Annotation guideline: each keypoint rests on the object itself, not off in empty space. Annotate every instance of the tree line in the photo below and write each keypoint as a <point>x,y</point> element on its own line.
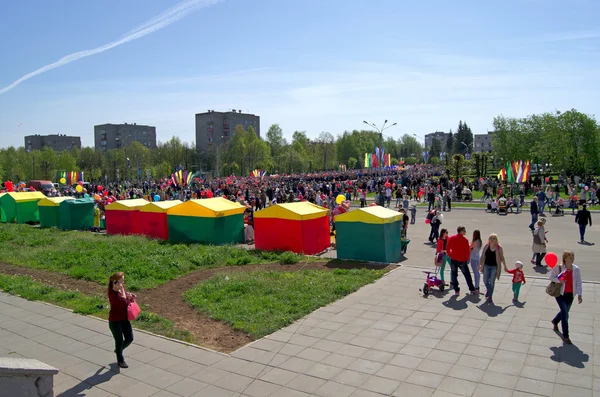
<point>566,143</point>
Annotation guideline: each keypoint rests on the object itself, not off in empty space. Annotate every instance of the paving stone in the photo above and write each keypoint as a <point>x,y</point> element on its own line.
<point>351,378</point>
<point>338,360</point>
<point>425,379</point>
<point>460,387</point>
<point>234,382</point>
<point>394,372</point>
<point>380,385</point>
<point>296,364</point>
<point>213,391</point>
<point>492,391</point>
<point>334,389</point>
<point>278,376</point>
<point>323,371</point>
<point>535,386</point>
<point>412,390</point>
<point>186,387</point>
<point>565,390</point>
<point>365,366</point>
<point>305,383</point>
<point>258,388</point>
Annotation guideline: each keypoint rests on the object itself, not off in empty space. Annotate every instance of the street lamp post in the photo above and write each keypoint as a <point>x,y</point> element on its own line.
<point>466,146</point>
<point>380,130</point>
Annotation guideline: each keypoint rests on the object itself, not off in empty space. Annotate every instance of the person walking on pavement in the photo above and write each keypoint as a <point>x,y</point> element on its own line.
<point>118,323</point>
<point>490,264</point>
<point>533,209</point>
<point>539,242</point>
<point>459,251</point>
<point>582,218</point>
<point>569,276</point>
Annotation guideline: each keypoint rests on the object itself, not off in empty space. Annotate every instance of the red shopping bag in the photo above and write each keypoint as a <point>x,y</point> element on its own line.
<point>133,310</point>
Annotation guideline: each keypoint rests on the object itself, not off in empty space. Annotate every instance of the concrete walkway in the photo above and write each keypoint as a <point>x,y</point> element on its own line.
<point>386,339</point>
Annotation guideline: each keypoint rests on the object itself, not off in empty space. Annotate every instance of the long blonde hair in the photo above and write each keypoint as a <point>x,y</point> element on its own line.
<point>495,237</point>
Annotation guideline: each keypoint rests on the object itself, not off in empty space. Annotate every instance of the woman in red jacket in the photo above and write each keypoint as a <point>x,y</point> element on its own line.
<point>442,259</point>
<point>117,318</point>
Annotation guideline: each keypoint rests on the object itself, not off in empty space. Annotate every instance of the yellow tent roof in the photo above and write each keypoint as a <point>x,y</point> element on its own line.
<point>301,211</point>
<point>53,201</point>
<point>21,197</point>
<point>126,205</point>
<point>375,215</point>
<point>208,208</point>
<point>161,206</point>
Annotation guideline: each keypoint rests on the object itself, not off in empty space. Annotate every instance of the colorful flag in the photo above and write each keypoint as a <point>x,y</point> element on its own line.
<point>425,156</point>
<point>502,174</point>
<point>526,171</point>
<point>510,173</point>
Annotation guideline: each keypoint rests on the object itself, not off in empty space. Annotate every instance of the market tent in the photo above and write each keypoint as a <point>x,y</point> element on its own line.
<point>21,207</point>
<point>298,227</point>
<point>77,214</point>
<point>214,221</point>
<point>369,234</point>
<point>123,216</point>
<point>153,217</point>
<point>50,210</point>
<point>2,214</point>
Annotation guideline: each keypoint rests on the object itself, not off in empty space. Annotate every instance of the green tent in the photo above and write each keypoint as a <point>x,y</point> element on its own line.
<point>50,211</point>
<point>77,214</point>
<point>21,207</point>
<point>369,234</point>
<point>2,214</point>
<point>212,221</point>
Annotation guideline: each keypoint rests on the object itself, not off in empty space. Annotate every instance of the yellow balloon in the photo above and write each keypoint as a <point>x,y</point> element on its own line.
<point>63,180</point>
<point>340,198</point>
<point>79,189</point>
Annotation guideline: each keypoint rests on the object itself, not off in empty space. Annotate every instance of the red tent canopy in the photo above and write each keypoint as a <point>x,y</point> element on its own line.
<point>298,227</point>
<point>123,217</point>
<point>153,219</point>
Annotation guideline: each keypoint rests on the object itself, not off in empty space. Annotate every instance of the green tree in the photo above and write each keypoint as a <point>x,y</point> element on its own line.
<point>463,139</point>
<point>436,148</point>
<point>275,139</point>
<point>450,144</point>
<point>352,163</point>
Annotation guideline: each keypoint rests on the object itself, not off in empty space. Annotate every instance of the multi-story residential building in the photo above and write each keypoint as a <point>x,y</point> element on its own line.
<point>483,142</point>
<point>442,137</point>
<point>116,136</point>
<point>217,127</point>
<point>58,142</point>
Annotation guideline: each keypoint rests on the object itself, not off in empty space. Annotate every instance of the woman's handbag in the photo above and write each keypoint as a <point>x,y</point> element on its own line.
<point>133,310</point>
<point>553,289</point>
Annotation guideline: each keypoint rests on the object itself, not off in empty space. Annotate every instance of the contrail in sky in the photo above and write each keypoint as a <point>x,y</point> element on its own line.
<point>158,22</point>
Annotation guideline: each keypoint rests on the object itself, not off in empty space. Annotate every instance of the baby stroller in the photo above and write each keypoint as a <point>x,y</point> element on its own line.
<point>557,207</point>
<point>502,207</point>
<point>432,280</point>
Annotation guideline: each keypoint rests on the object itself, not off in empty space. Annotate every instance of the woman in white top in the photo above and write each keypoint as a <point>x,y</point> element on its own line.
<point>570,277</point>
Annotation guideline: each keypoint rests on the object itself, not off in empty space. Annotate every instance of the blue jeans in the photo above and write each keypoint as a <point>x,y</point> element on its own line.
<point>541,206</point>
<point>582,231</point>
<point>534,219</point>
<point>489,279</point>
<point>476,274</point>
<point>564,303</point>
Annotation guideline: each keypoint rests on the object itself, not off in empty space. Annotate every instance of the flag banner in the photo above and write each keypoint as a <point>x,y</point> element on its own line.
<point>501,174</point>
<point>425,156</point>
<point>510,177</point>
<point>526,171</point>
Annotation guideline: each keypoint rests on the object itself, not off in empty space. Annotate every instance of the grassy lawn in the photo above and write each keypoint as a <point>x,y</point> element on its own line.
<point>146,263</point>
<point>260,303</point>
<point>27,288</point>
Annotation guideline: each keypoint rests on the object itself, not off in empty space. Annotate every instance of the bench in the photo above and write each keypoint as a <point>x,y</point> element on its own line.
<point>26,377</point>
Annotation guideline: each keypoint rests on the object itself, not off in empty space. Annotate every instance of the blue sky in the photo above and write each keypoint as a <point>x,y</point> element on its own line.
<point>313,65</point>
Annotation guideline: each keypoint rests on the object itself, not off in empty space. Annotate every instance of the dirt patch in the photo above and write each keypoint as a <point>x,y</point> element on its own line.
<point>54,279</point>
<point>167,301</point>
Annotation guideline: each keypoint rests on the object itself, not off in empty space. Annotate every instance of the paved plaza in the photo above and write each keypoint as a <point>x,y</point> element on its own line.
<point>514,236</point>
<point>384,340</point>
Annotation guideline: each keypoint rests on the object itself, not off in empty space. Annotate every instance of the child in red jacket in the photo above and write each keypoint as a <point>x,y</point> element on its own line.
<point>518,278</point>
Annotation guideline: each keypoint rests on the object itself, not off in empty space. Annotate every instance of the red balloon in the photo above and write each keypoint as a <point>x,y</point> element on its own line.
<point>105,193</point>
<point>551,260</point>
<point>99,188</point>
<point>427,221</point>
<point>80,183</point>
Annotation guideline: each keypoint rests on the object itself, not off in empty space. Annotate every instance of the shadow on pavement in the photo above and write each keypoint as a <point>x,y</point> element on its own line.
<point>586,243</point>
<point>541,269</point>
<point>455,304</point>
<point>79,389</point>
<point>491,309</point>
<point>570,355</point>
